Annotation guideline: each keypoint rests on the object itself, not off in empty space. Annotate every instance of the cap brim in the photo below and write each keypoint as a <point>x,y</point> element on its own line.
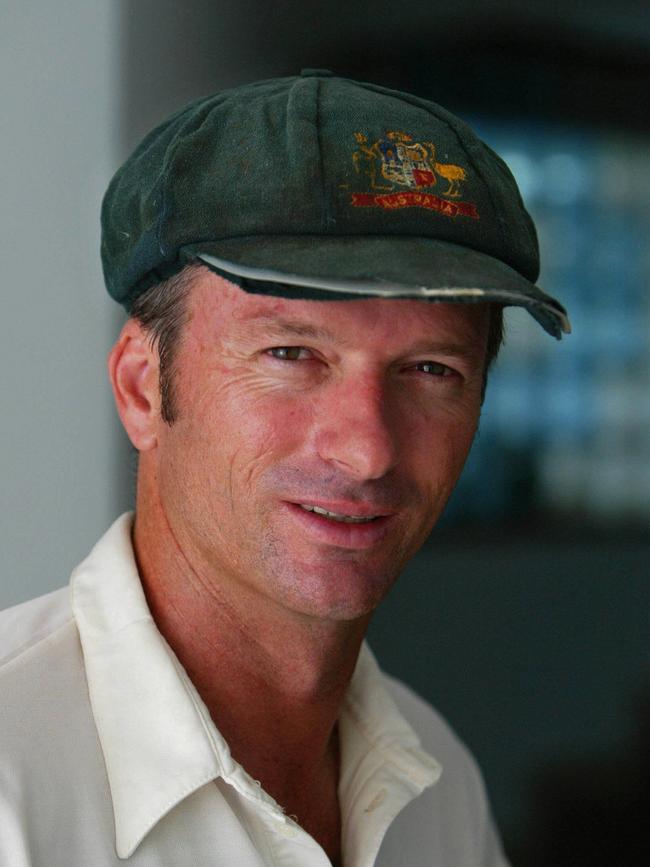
<point>329,267</point>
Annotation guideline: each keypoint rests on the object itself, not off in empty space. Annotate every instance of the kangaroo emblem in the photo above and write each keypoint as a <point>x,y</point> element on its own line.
<point>450,172</point>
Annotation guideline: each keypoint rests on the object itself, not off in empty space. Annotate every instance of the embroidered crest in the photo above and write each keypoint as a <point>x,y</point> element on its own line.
<point>397,161</point>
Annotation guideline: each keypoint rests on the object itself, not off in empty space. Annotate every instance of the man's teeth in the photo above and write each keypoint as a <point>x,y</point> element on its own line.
<point>348,519</point>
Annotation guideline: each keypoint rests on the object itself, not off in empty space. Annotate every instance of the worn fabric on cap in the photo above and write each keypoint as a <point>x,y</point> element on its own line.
<point>343,188</point>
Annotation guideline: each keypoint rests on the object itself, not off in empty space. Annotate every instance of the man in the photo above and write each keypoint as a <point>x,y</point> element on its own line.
<point>202,694</point>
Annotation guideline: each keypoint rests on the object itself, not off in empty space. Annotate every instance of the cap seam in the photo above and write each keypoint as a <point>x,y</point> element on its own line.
<point>324,206</point>
<point>169,159</point>
<point>469,150</point>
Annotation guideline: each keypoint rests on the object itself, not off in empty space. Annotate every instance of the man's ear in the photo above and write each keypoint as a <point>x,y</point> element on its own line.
<point>133,369</point>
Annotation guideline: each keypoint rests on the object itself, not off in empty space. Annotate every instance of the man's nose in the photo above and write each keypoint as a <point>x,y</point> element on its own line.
<point>357,429</point>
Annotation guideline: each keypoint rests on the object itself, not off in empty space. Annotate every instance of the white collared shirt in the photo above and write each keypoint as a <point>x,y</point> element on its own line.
<point>108,754</point>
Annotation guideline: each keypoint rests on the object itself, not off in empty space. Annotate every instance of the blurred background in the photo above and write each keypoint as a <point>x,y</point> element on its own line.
<point>524,620</point>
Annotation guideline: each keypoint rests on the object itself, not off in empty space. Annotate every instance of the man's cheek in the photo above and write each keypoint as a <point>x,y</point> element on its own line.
<point>274,426</point>
<point>260,454</point>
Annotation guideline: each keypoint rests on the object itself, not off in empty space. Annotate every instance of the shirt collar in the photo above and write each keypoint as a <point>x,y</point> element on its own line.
<point>157,736</point>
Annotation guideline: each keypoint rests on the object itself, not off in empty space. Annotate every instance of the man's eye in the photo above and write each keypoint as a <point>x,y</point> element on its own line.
<point>287,353</point>
<point>435,368</point>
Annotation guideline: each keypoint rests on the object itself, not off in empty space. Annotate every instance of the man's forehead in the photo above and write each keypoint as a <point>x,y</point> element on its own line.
<point>340,321</point>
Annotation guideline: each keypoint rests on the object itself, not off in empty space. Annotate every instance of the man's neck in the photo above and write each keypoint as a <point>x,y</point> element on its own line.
<point>273,681</point>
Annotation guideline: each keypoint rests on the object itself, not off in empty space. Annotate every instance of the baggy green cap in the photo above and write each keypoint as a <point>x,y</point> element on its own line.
<point>319,187</point>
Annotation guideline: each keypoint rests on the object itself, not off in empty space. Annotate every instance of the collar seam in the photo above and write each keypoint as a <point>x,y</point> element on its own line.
<point>257,795</point>
<point>207,728</point>
<point>358,718</point>
<point>146,618</point>
<point>183,677</point>
<point>77,606</point>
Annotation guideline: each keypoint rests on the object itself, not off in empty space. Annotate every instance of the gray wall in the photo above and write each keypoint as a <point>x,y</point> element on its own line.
<point>58,68</point>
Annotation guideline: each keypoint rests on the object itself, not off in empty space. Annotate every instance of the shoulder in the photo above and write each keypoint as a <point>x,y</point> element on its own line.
<point>40,655</point>
<point>467,834</point>
<point>23,627</point>
<point>50,755</point>
<point>43,686</point>
<point>41,669</point>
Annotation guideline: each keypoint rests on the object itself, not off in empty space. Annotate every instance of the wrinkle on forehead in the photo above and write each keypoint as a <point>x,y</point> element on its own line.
<point>384,317</point>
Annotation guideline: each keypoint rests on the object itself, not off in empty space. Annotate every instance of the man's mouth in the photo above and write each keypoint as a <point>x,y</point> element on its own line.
<point>335,516</point>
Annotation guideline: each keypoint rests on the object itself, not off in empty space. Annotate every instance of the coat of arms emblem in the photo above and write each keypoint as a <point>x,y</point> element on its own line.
<point>396,160</point>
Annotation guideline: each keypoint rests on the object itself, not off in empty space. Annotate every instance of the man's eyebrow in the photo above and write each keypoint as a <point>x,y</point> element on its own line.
<point>279,326</point>
<point>469,350</point>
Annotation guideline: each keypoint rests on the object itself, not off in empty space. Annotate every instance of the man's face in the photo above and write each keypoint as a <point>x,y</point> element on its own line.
<point>363,408</point>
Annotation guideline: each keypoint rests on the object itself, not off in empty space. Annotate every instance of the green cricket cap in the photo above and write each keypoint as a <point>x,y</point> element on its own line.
<point>320,187</point>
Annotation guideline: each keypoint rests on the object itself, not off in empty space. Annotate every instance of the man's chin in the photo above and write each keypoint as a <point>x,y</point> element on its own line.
<point>340,589</point>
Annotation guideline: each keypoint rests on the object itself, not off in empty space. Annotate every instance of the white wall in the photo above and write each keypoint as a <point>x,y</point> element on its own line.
<point>59,81</point>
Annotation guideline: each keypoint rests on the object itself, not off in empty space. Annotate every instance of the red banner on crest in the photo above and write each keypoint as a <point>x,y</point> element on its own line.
<point>394,201</point>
